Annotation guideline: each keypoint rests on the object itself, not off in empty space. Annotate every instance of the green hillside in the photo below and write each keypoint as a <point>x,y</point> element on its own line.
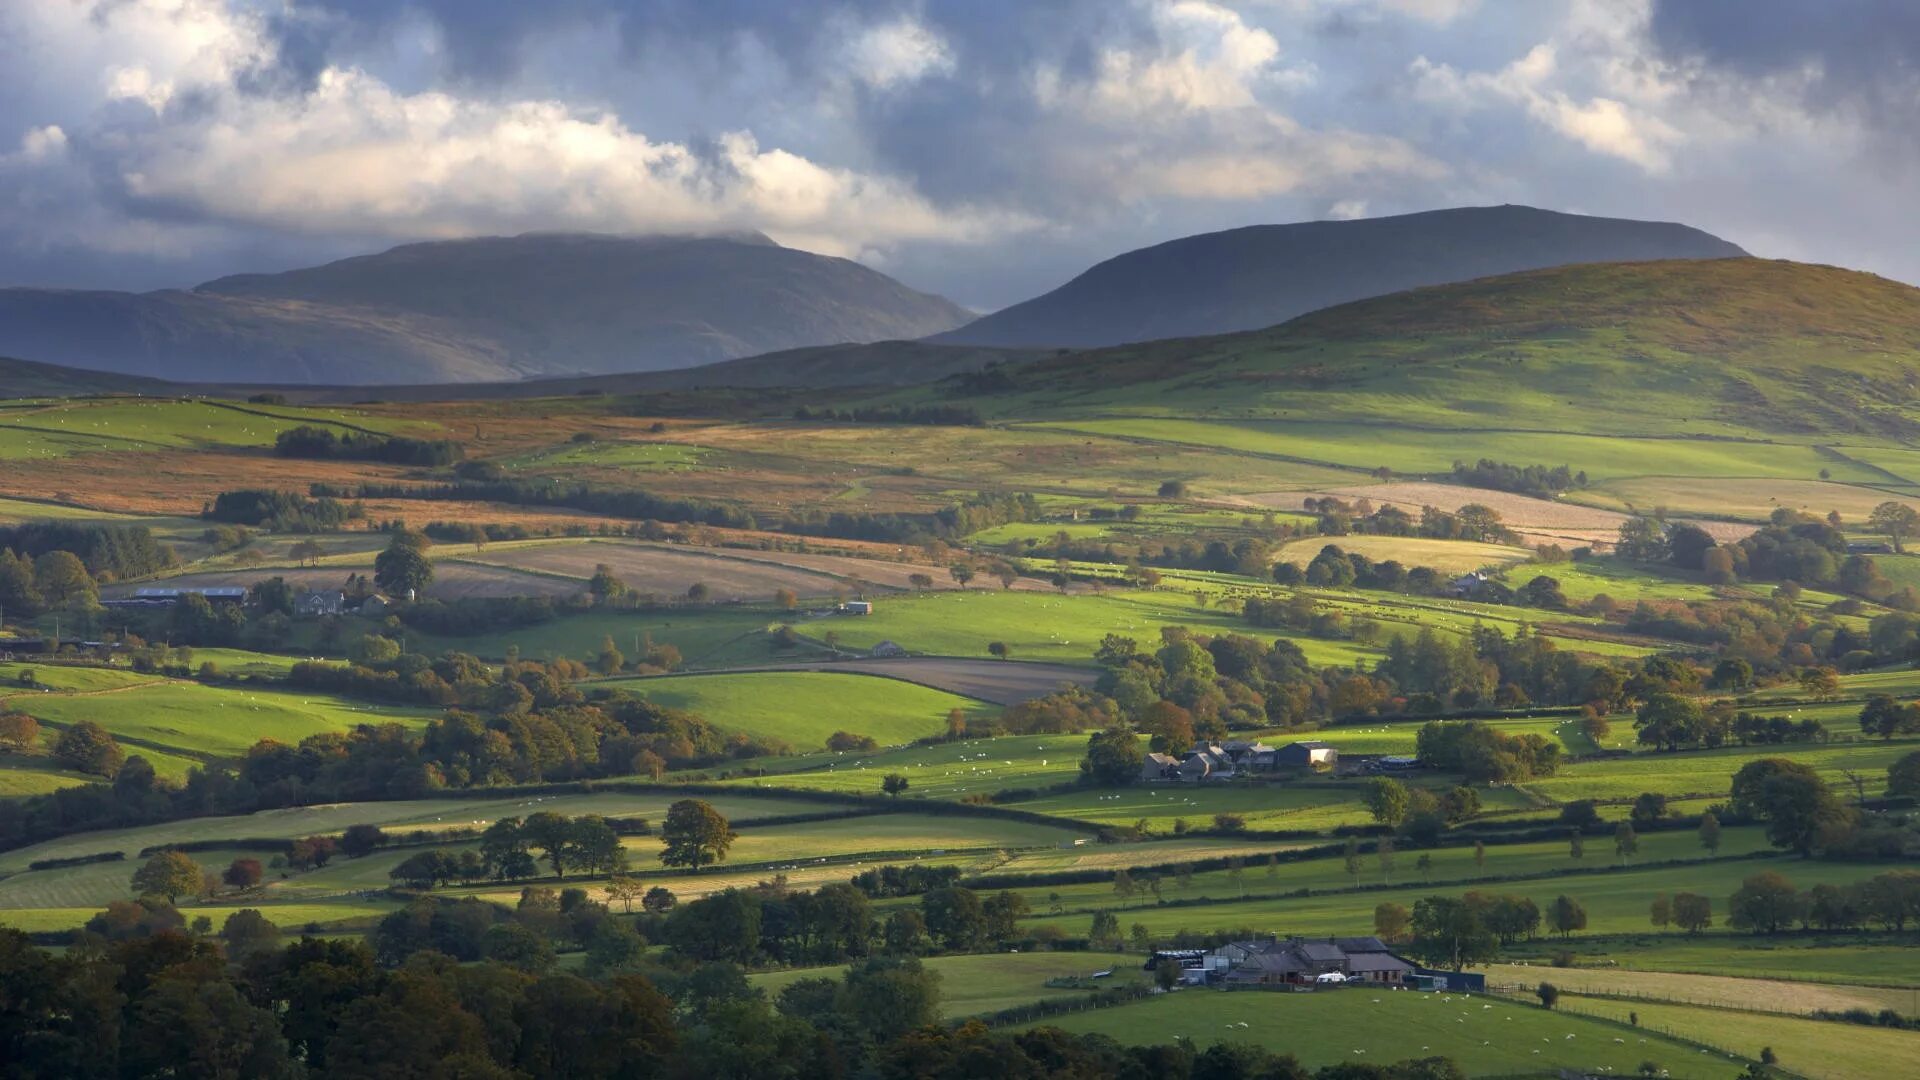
<point>1723,348</point>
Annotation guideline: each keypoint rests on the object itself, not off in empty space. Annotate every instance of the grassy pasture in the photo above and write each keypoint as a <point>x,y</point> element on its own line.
<point>192,719</point>
<point>1405,449</point>
<point>791,845</point>
<point>632,456</point>
<point>1309,804</point>
<point>477,809</point>
<point>804,708</point>
<point>972,985</point>
<point>1710,772</point>
<point>1486,1037</point>
<point>705,636</point>
<point>1818,1049</point>
<point>1450,864</point>
<point>1616,900</point>
<point>1848,959</point>
<point>128,423</point>
<point>945,771</point>
<point>30,775</point>
<point>289,917</point>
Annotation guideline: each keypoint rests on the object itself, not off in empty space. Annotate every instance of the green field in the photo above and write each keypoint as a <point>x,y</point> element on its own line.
<point>803,708</point>
<point>973,985</point>
<point>147,424</point>
<point>1616,899</point>
<point>1819,1049</point>
<point>1486,1037</point>
<point>943,771</point>
<point>207,720</point>
<point>635,456</point>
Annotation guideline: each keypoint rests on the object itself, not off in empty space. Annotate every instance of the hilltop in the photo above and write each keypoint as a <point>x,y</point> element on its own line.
<point>488,309</point>
<point>1245,279</point>
<point>1724,347</point>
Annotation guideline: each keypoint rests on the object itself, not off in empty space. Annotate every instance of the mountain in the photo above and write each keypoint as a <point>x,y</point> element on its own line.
<point>1245,279</point>
<point>497,308</point>
<point>1739,348</point>
<point>26,379</point>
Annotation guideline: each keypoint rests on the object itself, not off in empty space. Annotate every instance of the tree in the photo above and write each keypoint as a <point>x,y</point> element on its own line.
<point>1352,858</point>
<point>1669,721</point>
<point>1660,912</point>
<point>592,844</point>
<point>1565,915</point>
<point>887,996</point>
<point>1710,832</point>
<point>1452,932</point>
<point>171,874</point>
<point>1885,717</point>
<point>403,568</point>
<point>904,933</point>
<point>1820,683</point>
<point>956,919</point>
<point>1548,994</point>
<point>18,731</point>
<point>552,835</point>
<point>610,659</point>
<point>1383,853</point>
<point>87,747</point>
<point>605,585</point>
<point>1765,903</point>
<point>362,840</point>
<point>694,833</point>
<point>893,784</point>
<point>242,873</point>
<point>1576,844</point>
<point>1903,776</point>
<point>1803,814</point>
<point>658,901</point>
<point>1391,922</point>
<point>247,931</point>
<point>1692,912</point>
<point>1626,844</point>
<point>998,650</point>
<point>1479,854</point>
<point>63,581</point>
<point>1113,758</point>
<point>1387,800</point>
<point>1649,808</point>
<point>1894,520</point>
<point>1166,973</point>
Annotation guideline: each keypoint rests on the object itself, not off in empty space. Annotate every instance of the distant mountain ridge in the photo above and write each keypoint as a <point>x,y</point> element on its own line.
<point>1263,275</point>
<point>489,309</point>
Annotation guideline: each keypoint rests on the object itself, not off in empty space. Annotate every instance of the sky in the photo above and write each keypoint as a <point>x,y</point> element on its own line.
<point>987,150</point>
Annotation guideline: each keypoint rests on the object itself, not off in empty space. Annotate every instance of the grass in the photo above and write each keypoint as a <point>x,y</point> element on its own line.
<point>475,809</point>
<point>1710,772</point>
<point>1821,958</point>
<point>1616,898</point>
<point>290,917</point>
<point>804,708</point>
<point>634,456</point>
<point>208,720</point>
<point>704,636</point>
<point>79,426</point>
<point>973,985</point>
<point>1485,1037</point>
<point>1818,1049</point>
<point>785,846</point>
<point>944,771</point>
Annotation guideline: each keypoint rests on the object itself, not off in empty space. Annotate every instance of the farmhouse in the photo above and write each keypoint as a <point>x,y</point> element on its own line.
<point>310,605</point>
<point>1160,767</point>
<point>1309,962</point>
<point>1311,754</point>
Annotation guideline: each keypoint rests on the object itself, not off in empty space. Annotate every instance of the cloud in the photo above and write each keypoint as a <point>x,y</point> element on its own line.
<point>1858,60</point>
<point>1603,125</point>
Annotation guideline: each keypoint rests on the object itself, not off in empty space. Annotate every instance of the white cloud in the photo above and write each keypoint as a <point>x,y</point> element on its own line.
<point>893,53</point>
<point>1603,125</point>
<point>1348,209</point>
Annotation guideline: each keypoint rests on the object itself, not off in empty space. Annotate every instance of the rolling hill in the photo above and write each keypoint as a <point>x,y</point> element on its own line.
<point>479,310</point>
<point>1245,279</point>
<point>1721,348</point>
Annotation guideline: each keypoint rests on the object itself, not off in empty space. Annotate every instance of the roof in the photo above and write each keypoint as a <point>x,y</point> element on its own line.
<point>1368,944</point>
<point>1309,744</point>
<point>162,594</point>
<point>1320,952</point>
<point>1162,759</point>
<point>1376,961</point>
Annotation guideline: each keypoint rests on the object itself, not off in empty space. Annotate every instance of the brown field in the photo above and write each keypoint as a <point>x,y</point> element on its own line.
<point>1538,521</point>
<point>1752,500</point>
<point>998,681</point>
<point>1753,995</point>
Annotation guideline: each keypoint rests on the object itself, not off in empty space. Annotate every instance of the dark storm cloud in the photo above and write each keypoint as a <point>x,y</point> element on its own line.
<point>1857,57</point>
